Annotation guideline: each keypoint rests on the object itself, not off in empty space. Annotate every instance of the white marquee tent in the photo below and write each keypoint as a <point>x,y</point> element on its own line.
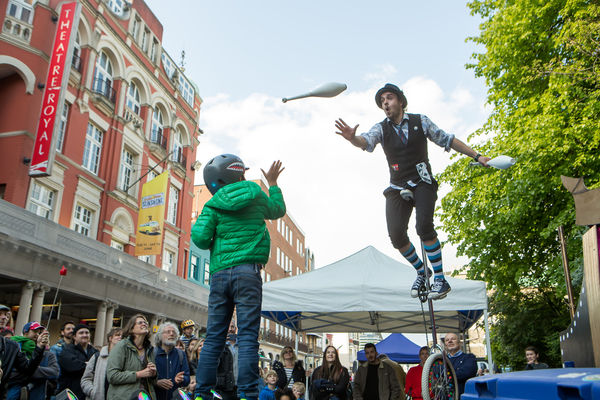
<point>369,292</point>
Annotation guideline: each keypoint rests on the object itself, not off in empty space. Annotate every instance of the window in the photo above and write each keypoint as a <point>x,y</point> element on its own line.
<point>186,89</point>
<point>42,200</point>
<point>194,268</point>
<point>103,76</point>
<point>168,65</point>
<point>173,200</point>
<point>206,272</point>
<point>20,10</point>
<point>151,175</point>
<point>126,170</point>
<point>145,259</point>
<point>133,98</point>
<point>116,6</point>
<point>145,37</point>
<point>154,50</point>
<point>278,256</point>
<point>62,126</point>
<point>93,149</point>
<point>117,245</point>
<point>76,62</point>
<point>83,220</point>
<point>176,147</point>
<point>168,261</point>
<point>156,132</point>
<point>135,29</point>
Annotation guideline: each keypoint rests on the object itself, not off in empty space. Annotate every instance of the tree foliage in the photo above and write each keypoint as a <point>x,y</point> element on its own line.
<point>541,63</point>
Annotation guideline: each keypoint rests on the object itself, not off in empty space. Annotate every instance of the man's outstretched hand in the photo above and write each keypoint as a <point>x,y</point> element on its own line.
<point>273,173</point>
<point>345,130</point>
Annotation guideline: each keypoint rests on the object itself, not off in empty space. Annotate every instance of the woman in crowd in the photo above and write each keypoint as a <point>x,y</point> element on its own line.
<point>131,365</point>
<point>330,380</point>
<point>93,382</point>
<point>532,355</point>
<point>288,369</point>
<point>193,354</point>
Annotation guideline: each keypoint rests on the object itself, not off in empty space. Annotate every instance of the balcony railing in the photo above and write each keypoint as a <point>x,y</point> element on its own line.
<point>76,63</point>
<point>104,88</point>
<point>179,158</point>
<point>157,137</point>
<point>271,337</point>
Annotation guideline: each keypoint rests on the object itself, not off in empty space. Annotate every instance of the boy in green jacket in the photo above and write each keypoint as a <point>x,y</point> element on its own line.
<point>232,225</point>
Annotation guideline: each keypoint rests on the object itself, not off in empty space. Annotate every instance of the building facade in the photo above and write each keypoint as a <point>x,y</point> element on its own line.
<point>289,257</point>
<point>129,114</point>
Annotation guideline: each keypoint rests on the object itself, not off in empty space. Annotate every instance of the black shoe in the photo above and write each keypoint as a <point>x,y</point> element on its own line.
<point>418,285</point>
<point>439,289</point>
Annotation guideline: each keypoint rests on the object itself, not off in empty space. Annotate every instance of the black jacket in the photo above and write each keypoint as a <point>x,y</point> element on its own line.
<point>298,374</point>
<point>225,377</point>
<point>323,389</point>
<point>72,361</point>
<point>465,366</point>
<point>14,360</point>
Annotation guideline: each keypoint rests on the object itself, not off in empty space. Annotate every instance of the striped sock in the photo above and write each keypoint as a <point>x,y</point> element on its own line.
<point>412,257</point>
<point>434,253</point>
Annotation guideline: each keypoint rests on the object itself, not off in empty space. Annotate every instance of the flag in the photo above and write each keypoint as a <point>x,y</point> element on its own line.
<point>149,233</point>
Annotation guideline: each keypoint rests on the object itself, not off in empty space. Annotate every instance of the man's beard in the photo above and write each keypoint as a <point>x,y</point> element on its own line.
<point>169,343</point>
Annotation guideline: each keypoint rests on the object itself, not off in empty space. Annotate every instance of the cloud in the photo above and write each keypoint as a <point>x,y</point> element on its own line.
<point>332,189</point>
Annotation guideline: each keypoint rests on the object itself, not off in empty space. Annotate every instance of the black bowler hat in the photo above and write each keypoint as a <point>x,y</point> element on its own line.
<point>389,87</point>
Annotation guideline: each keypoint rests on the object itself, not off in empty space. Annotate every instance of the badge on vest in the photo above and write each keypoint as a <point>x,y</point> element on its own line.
<point>423,173</point>
<point>395,167</point>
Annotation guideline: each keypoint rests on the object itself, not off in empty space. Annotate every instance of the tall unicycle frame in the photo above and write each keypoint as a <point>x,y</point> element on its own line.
<point>438,379</point>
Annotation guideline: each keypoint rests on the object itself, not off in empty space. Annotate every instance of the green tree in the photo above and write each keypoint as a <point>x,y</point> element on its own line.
<point>541,63</point>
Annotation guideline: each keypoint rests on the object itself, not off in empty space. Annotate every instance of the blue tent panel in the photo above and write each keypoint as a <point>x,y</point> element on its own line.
<point>398,348</point>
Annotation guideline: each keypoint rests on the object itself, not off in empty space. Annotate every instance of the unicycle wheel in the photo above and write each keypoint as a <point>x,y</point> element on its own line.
<point>438,380</point>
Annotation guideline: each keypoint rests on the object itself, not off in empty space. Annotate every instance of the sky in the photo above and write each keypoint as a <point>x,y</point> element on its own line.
<point>245,56</point>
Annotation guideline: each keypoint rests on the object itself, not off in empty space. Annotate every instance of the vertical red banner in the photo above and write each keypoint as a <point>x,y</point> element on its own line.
<point>56,85</point>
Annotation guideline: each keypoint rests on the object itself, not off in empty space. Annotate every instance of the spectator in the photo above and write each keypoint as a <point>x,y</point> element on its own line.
<point>7,332</point>
<point>180,345</point>
<point>413,377</point>
<point>93,382</point>
<point>532,355</point>
<point>130,364</point>
<point>172,367</point>
<point>400,374</point>
<point>187,332</point>
<point>193,354</point>
<point>268,392</point>
<point>298,389</point>
<point>290,370</point>
<point>66,337</point>
<point>226,384</point>
<point>73,358</point>
<point>465,364</point>
<point>12,358</point>
<point>284,394</point>
<point>331,379</point>
<point>35,385</point>
<point>375,380</point>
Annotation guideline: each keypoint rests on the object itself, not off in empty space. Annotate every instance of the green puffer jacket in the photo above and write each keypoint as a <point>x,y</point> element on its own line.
<point>123,363</point>
<point>232,224</point>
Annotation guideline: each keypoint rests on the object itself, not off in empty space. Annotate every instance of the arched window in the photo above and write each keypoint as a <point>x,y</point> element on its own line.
<point>176,147</point>
<point>156,133</point>
<point>133,98</point>
<point>103,77</point>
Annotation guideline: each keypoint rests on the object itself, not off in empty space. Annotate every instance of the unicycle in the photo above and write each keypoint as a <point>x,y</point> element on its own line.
<point>438,379</point>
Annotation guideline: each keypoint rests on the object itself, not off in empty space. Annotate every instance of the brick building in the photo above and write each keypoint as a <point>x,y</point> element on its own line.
<point>129,113</point>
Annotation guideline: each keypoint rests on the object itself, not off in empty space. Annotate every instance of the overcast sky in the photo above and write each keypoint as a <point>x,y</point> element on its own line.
<point>245,56</point>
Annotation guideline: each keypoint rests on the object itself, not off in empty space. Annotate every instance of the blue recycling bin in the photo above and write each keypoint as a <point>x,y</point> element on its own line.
<point>542,384</point>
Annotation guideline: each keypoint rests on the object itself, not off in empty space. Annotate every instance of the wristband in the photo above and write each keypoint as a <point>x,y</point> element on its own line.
<point>476,158</point>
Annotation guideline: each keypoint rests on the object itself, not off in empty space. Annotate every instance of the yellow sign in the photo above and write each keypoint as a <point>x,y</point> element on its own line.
<point>151,217</point>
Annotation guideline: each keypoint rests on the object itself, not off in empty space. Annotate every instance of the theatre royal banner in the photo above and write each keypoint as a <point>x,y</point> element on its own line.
<point>149,234</point>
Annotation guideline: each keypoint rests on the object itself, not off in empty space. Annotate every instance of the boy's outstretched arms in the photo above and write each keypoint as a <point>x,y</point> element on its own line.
<point>273,173</point>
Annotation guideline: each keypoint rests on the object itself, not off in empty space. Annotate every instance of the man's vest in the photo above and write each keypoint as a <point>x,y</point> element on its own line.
<point>402,157</point>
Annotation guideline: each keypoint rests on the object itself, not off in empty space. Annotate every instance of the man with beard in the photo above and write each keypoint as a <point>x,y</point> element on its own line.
<point>171,363</point>
<point>72,360</point>
<point>375,379</point>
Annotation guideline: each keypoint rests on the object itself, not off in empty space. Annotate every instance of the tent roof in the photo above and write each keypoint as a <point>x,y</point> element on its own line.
<point>398,348</point>
<point>367,292</point>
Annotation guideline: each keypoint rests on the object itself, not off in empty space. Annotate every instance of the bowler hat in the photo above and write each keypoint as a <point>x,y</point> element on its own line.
<point>389,87</point>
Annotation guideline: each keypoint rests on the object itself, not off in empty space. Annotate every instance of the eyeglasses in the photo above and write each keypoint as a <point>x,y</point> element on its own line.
<point>142,323</point>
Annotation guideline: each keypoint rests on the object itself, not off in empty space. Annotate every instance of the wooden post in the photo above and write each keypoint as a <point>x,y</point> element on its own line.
<point>565,262</point>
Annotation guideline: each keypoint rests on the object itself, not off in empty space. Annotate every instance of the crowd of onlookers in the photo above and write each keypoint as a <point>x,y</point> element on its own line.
<point>164,364</point>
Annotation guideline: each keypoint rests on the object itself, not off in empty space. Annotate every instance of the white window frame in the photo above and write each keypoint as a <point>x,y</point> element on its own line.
<point>83,219</point>
<point>154,50</point>
<point>92,152</point>
<point>174,194</point>
<point>116,6</point>
<point>117,245</point>
<point>156,127</point>
<point>103,75</point>
<point>135,28</point>
<point>127,173</point>
<point>186,89</point>
<point>169,260</point>
<point>206,273</point>
<point>44,207</point>
<point>133,99</point>
<point>176,146</point>
<point>62,127</point>
<point>145,36</point>
<point>17,9</point>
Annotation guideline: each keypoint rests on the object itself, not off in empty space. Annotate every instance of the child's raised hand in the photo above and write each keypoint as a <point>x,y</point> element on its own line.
<point>273,173</point>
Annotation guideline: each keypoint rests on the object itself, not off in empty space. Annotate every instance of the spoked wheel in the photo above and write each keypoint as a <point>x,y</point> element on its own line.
<point>438,381</point>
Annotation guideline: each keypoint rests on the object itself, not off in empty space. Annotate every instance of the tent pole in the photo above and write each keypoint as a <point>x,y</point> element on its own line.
<point>487,342</point>
<point>297,339</point>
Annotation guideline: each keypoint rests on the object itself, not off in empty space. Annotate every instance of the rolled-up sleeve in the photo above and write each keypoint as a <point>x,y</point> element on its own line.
<point>373,137</point>
<point>435,134</point>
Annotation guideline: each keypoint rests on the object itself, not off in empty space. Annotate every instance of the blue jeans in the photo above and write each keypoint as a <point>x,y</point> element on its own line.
<point>239,287</point>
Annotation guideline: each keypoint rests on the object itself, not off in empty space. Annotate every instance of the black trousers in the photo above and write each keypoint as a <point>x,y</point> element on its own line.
<point>398,212</point>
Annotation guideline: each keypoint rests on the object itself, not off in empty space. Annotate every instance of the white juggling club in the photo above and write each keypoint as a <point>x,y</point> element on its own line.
<point>500,162</point>
<point>326,90</point>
